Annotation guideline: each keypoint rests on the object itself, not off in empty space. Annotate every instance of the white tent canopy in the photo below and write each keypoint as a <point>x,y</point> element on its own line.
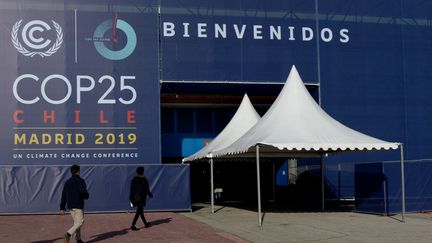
<point>294,126</point>
<point>296,123</point>
<point>244,118</point>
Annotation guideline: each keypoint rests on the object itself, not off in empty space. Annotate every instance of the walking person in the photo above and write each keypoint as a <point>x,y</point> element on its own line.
<point>139,190</point>
<point>73,195</point>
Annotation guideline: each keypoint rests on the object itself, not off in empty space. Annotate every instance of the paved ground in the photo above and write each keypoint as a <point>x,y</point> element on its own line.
<point>228,224</point>
<point>166,227</point>
<point>317,226</point>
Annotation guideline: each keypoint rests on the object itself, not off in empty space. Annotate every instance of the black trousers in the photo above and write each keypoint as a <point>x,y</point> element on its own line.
<point>139,213</point>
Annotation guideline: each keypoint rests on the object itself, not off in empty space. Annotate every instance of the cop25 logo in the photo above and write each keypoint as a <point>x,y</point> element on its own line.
<point>112,25</point>
<point>35,43</point>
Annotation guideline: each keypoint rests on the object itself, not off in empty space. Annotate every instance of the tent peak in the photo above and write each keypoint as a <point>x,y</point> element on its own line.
<point>295,121</point>
<point>244,118</point>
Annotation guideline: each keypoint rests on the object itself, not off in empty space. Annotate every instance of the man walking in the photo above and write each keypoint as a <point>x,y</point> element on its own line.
<point>139,190</point>
<point>74,193</point>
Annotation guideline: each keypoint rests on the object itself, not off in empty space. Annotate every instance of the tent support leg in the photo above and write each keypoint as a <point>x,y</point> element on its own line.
<point>211,185</point>
<point>258,185</point>
<point>322,183</point>
<point>402,181</point>
<point>274,183</point>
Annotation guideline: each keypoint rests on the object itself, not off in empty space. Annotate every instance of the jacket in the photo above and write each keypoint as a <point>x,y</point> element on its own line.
<point>74,192</point>
<point>139,190</point>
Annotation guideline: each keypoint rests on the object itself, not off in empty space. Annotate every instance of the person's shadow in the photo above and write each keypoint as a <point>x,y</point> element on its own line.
<point>107,235</point>
<point>47,241</point>
<point>112,234</point>
<point>160,221</point>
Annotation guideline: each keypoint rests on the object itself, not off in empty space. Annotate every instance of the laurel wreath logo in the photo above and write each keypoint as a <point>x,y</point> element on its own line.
<point>21,49</point>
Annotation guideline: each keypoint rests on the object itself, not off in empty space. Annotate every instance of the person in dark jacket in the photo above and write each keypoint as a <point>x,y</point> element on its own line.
<point>139,190</point>
<point>73,195</point>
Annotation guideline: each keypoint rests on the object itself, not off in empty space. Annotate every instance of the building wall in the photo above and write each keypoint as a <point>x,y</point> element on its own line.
<point>365,61</point>
<point>369,59</point>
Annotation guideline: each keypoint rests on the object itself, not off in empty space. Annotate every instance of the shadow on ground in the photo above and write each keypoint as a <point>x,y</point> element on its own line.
<point>46,241</point>
<point>115,233</point>
<point>160,221</point>
<point>108,235</point>
<point>275,207</point>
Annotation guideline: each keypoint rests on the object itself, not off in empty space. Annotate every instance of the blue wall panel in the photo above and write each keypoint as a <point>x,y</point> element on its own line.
<point>37,189</point>
<point>242,54</point>
<point>339,181</point>
<point>378,187</point>
<point>370,193</point>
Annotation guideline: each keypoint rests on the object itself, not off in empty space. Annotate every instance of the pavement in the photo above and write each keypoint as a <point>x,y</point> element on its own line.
<point>280,226</point>
<point>227,224</point>
<point>114,227</point>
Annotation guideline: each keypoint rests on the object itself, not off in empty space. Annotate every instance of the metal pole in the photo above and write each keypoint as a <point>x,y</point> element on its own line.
<point>402,181</point>
<point>386,211</point>
<point>318,51</point>
<point>258,185</point>
<point>322,183</point>
<point>211,185</point>
<point>274,182</point>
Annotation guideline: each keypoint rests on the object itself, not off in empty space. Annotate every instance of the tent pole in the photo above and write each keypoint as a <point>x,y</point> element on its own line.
<point>211,185</point>
<point>258,185</point>
<point>322,183</point>
<point>402,181</point>
<point>274,183</point>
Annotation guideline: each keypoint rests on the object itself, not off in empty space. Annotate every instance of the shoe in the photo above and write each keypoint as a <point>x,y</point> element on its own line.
<point>80,241</point>
<point>66,238</point>
<point>146,225</point>
<point>133,228</point>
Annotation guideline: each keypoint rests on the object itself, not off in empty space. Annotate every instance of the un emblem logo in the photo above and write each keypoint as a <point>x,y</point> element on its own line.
<point>35,43</point>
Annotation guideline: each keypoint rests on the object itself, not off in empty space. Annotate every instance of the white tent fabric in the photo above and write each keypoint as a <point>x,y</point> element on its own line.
<point>295,123</point>
<point>244,118</point>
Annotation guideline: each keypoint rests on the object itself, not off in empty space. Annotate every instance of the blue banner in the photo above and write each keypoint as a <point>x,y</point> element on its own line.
<point>79,85</point>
